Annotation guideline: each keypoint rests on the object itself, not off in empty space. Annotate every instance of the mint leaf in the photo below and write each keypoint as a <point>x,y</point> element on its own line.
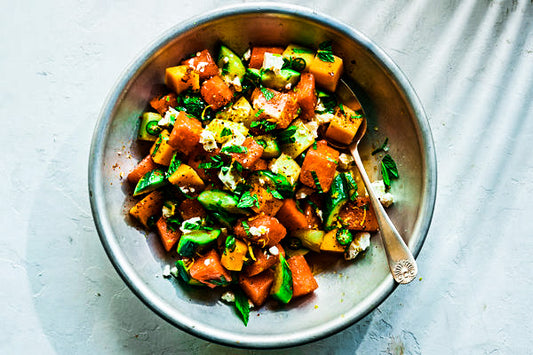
<point>242,306</point>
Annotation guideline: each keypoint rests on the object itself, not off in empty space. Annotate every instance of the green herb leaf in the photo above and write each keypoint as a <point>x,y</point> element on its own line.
<point>226,132</point>
<point>389,170</point>
<point>317,182</point>
<point>276,194</point>
<point>287,136</point>
<point>234,149</point>
<point>230,243</point>
<point>257,114</point>
<point>242,306</point>
<point>246,227</point>
<point>267,93</point>
<point>193,226</point>
<point>325,52</point>
<point>215,163</point>
<point>267,126</point>
<point>301,50</point>
<point>248,200</point>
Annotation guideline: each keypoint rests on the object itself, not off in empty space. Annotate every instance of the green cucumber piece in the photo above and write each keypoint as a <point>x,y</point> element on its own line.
<point>254,75</point>
<point>279,80</point>
<point>232,67</point>
<point>183,273</point>
<point>282,287</point>
<point>149,130</point>
<point>270,146</point>
<point>150,181</point>
<point>220,201</point>
<point>276,182</point>
<point>196,241</point>
<point>310,238</point>
<point>338,195</point>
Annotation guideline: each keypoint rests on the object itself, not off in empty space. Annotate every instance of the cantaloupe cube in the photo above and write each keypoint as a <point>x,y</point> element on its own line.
<point>182,78</point>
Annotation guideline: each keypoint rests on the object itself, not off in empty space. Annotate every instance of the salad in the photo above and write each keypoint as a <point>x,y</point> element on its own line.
<point>240,182</point>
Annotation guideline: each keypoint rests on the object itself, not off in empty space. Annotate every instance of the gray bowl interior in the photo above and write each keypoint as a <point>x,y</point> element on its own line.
<point>347,291</point>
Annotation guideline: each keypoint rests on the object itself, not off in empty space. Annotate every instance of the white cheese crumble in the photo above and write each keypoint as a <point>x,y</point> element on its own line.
<point>273,62</point>
<point>194,220</point>
<point>207,262</point>
<point>207,139</point>
<point>386,198</point>
<point>230,177</point>
<point>247,55</point>
<point>228,296</point>
<point>237,139</point>
<point>236,83</point>
<point>273,250</point>
<point>360,243</point>
<point>167,211</point>
<point>170,116</point>
<point>259,231</point>
<point>174,271</point>
<point>166,271</point>
<point>345,161</point>
<point>320,215</point>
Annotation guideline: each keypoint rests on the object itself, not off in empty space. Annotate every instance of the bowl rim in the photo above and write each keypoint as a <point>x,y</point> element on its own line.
<point>118,258</point>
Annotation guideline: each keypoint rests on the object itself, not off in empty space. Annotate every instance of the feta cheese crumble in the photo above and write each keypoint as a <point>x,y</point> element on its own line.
<point>346,161</point>
<point>169,118</point>
<point>259,231</point>
<point>273,62</point>
<point>194,220</point>
<point>273,250</point>
<point>207,139</point>
<point>166,271</point>
<point>360,243</point>
<point>386,198</point>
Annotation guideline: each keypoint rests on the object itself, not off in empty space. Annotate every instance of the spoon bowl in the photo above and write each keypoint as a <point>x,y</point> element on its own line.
<point>401,262</point>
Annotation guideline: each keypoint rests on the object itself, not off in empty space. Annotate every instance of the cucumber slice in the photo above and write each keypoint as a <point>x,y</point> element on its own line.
<point>150,181</point>
<point>310,238</point>
<point>284,79</point>
<point>183,273</point>
<point>196,241</point>
<point>282,287</point>
<point>270,146</point>
<point>220,201</point>
<point>338,195</point>
<point>231,65</point>
<point>276,182</point>
<point>149,130</point>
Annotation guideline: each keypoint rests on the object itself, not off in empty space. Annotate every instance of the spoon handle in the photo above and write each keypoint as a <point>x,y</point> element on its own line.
<point>402,264</point>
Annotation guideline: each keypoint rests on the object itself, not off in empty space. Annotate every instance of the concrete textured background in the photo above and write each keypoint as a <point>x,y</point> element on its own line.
<point>471,62</point>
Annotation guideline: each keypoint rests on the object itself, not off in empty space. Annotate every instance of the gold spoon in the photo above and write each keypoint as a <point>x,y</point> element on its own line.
<point>402,264</point>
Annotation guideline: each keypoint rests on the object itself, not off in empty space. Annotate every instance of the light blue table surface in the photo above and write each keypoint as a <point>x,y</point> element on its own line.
<point>471,63</point>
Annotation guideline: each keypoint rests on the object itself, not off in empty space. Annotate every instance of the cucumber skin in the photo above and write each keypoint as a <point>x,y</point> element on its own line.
<point>282,287</point>
<point>188,246</point>
<point>220,201</point>
<point>338,195</point>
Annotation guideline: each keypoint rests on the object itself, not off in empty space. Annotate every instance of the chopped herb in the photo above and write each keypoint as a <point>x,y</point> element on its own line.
<point>329,102</point>
<point>302,50</point>
<point>215,163</point>
<point>314,145</point>
<point>192,226</point>
<point>234,149</point>
<point>230,243</point>
<point>194,105</point>
<point>246,227</point>
<point>257,114</point>
<point>352,185</point>
<point>383,147</point>
<point>242,306</point>
<point>221,282</point>
<point>265,125</point>
<point>167,98</point>
<point>262,143</point>
<point>173,223</point>
<point>317,182</point>
<point>238,166</point>
<point>225,68</point>
<point>267,94</point>
<point>389,170</point>
<point>248,200</point>
<point>226,132</point>
<point>287,136</point>
<point>157,144</point>
<point>331,159</point>
<point>341,108</point>
<point>275,194</point>
<point>325,52</point>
